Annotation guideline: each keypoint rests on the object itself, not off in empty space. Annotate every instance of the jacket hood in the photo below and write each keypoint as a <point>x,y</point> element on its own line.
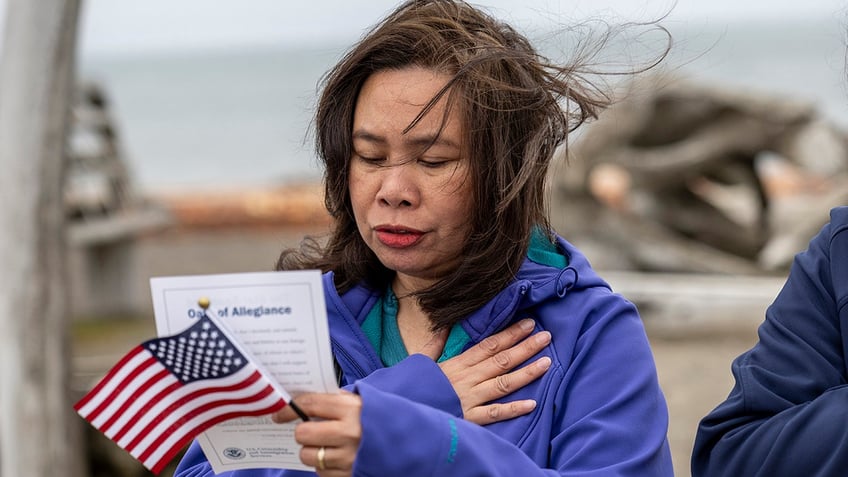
<point>534,285</point>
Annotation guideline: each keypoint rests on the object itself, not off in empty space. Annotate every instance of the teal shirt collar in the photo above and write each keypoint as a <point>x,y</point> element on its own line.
<point>380,326</point>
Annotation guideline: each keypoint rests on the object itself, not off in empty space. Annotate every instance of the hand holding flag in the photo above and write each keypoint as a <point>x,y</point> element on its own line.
<point>167,390</point>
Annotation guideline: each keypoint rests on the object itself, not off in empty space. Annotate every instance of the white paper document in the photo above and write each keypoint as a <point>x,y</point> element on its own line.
<point>281,319</point>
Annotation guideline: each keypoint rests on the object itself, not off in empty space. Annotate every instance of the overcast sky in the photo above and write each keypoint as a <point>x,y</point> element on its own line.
<point>122,25</point>
<point>116,26</point>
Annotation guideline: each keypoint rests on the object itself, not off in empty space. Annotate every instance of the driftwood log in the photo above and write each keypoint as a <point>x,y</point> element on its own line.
<point>679,177</point>
<point>38,437</point>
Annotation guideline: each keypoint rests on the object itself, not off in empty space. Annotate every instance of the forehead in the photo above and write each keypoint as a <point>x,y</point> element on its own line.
<point>395,102</point>
<point>414,83</point>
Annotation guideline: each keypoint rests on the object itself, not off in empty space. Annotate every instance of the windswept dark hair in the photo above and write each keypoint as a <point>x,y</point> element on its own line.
<point>516,108</point>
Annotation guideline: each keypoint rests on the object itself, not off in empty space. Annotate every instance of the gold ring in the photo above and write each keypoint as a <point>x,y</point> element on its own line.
<point>321,453</point>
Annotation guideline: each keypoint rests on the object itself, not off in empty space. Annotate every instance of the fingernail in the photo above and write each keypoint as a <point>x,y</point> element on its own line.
<point>543,363</point>
<point>527,324</point>
<point>543,337</point>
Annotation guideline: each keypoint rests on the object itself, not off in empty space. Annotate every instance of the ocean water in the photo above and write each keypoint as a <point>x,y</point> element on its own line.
<point>214,119</point>
<point>235,119</point>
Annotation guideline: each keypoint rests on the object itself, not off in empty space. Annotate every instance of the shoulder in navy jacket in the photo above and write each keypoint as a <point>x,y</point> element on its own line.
<point>787,414</point>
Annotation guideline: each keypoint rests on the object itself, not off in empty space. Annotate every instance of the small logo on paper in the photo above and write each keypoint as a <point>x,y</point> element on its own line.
<point>234,453</point>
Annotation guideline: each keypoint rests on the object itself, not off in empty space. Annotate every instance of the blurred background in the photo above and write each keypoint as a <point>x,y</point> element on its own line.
<point>222,94</point>
<point>190,153</point>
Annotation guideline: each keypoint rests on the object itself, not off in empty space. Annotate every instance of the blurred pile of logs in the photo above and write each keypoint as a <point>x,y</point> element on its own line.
<point>695,178</point>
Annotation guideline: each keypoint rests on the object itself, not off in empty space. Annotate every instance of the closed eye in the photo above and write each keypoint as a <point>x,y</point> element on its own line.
<point>434,163</point>
<point>371,160</point>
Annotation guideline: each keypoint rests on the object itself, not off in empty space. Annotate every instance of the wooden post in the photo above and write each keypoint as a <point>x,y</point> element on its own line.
<point>39,434</point>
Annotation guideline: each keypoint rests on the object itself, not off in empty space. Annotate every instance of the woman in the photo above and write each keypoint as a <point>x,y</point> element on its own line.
<point>786,414</point>
<point>436,132</point>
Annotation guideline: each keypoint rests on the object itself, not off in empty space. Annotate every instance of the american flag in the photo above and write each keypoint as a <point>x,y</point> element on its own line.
<point>166,391</point>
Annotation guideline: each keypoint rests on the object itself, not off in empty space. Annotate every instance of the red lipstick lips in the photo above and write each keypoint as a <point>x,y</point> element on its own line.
<point>398,237</point>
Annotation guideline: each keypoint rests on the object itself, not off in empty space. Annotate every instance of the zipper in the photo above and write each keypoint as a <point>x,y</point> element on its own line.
<point>346,360</point>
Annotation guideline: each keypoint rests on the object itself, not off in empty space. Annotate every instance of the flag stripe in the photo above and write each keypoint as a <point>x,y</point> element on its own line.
<point>106,379</point>
<point>201,418</point>
<point>176,405</point>
<point>134,415</point>
<point>125,388</point>
<point>135,399</point>
<point>159,459</point>
<point>111,382</point>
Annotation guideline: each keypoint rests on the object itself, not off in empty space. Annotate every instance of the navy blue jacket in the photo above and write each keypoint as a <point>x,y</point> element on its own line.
<point>787,415</point>
<point>600,408</point>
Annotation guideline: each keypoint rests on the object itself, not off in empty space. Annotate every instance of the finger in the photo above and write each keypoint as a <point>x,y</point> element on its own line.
<point>290,413</point>
<point>504,384</point>
<point>309,456</point>
<point>510,358</point>
<point>286,414</point>
<point>334,473</point>
<point>335,460</point>
<point>328,405</point>
<point>337,420</point>
<point>312,456</point>
<point>498,342</point>
<point>497,412</point>
<point>336,433</point>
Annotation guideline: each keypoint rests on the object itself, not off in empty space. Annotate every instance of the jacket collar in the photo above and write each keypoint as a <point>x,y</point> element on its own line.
<point>533,285</point>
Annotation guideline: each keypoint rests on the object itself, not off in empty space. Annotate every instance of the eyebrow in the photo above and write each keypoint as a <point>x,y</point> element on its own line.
<point>427,140</point>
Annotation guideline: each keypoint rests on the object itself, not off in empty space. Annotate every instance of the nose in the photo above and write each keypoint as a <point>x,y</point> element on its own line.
<point>398,186</point>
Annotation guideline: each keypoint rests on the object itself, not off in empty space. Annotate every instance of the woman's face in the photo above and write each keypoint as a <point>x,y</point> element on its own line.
<point>412,203</point>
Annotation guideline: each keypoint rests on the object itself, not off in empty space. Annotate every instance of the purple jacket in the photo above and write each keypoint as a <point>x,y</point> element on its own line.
<point>600,408</point>
<point>786,414</point>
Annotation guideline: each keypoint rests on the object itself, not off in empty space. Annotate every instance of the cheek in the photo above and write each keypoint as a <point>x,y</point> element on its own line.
<point>465,194</point>
<point>360,210</point>
<point>356,191</point>
<point>459,206</point>
<point>360,191</point>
